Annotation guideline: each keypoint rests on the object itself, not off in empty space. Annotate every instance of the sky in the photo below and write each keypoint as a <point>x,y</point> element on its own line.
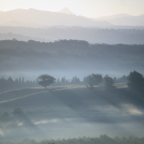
<point>87,8</point>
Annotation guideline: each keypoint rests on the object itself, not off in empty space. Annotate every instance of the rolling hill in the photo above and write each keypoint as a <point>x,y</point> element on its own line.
<point>60,111</point>
<point>124,20</point>
<point>68,58</point>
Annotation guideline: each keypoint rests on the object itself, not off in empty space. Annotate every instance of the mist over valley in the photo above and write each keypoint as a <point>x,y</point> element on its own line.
<point>71,79</point>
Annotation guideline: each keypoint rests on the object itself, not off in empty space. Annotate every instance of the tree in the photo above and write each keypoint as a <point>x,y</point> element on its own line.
<point>45,80</point>
<point>75,80</point>
<point>109,83</point>
<point>63,80</point>
<point>94,79</point>
<point>135,81</point>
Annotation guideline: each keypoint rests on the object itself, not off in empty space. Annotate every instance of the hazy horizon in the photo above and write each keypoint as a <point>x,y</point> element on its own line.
<point>66,9</point>
<point>71,68</point>
<point>91,8</point>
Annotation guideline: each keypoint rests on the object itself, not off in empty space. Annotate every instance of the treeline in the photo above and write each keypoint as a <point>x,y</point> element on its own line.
<point>10,83</point>
<point>69,46</point>
<point>86,80</point>
<point>134,80</point>
<point>69,54</point>
<point>71,50</point>
<point>102,139</point>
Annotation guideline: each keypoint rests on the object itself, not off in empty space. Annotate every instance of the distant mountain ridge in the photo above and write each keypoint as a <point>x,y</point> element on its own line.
<point>124,20</point>
<point>66,11</point>
<point>112,17</point>
<point>38,18</point>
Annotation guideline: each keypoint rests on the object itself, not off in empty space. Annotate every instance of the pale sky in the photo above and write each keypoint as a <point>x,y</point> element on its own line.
<point>88,8</point>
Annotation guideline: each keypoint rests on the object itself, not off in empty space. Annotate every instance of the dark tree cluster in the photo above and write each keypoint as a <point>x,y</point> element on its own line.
<point>93,79</point>
<point>109,83</point>
<point>45,80</point>
<point>122,79</point>
<point>8,84</point>
<point>134,80</point>
<point>74,81</point>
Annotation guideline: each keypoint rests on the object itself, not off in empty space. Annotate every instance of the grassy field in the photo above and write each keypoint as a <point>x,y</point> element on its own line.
<point>68,108</point>
<point>37,94</point>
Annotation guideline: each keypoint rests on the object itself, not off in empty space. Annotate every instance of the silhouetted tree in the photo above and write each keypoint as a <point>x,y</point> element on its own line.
<point>122,79</point>
<point>75,80</point>
<point>94,79</point>
<point>58,81</point>
<point>10,81</point>
<point>64,81</point>
<point>45,80</point>
<point>109,83</point>
<point>135,81</point>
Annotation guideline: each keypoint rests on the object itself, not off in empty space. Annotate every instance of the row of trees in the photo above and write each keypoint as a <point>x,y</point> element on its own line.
<point>135,81</point>
<point>90,81</point>
<point>8,84</point>
<point>96,79</point>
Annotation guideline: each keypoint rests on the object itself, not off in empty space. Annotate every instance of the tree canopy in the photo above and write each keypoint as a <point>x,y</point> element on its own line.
<point>135,81</point>
<point>109,83</point>
<point>45,80</point>
<point>94,79</point>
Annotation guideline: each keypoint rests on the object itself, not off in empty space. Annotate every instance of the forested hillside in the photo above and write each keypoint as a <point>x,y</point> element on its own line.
<point>70,55</point>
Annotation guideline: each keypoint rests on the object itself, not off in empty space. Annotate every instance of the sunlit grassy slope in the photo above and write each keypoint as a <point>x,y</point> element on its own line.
<point>61,107</point>
<point>17,94</point>
<point>73,96</point>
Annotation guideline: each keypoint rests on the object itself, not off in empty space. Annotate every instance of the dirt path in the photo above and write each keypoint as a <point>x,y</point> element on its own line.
<point>5,101</point>
<point>49,89</point>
